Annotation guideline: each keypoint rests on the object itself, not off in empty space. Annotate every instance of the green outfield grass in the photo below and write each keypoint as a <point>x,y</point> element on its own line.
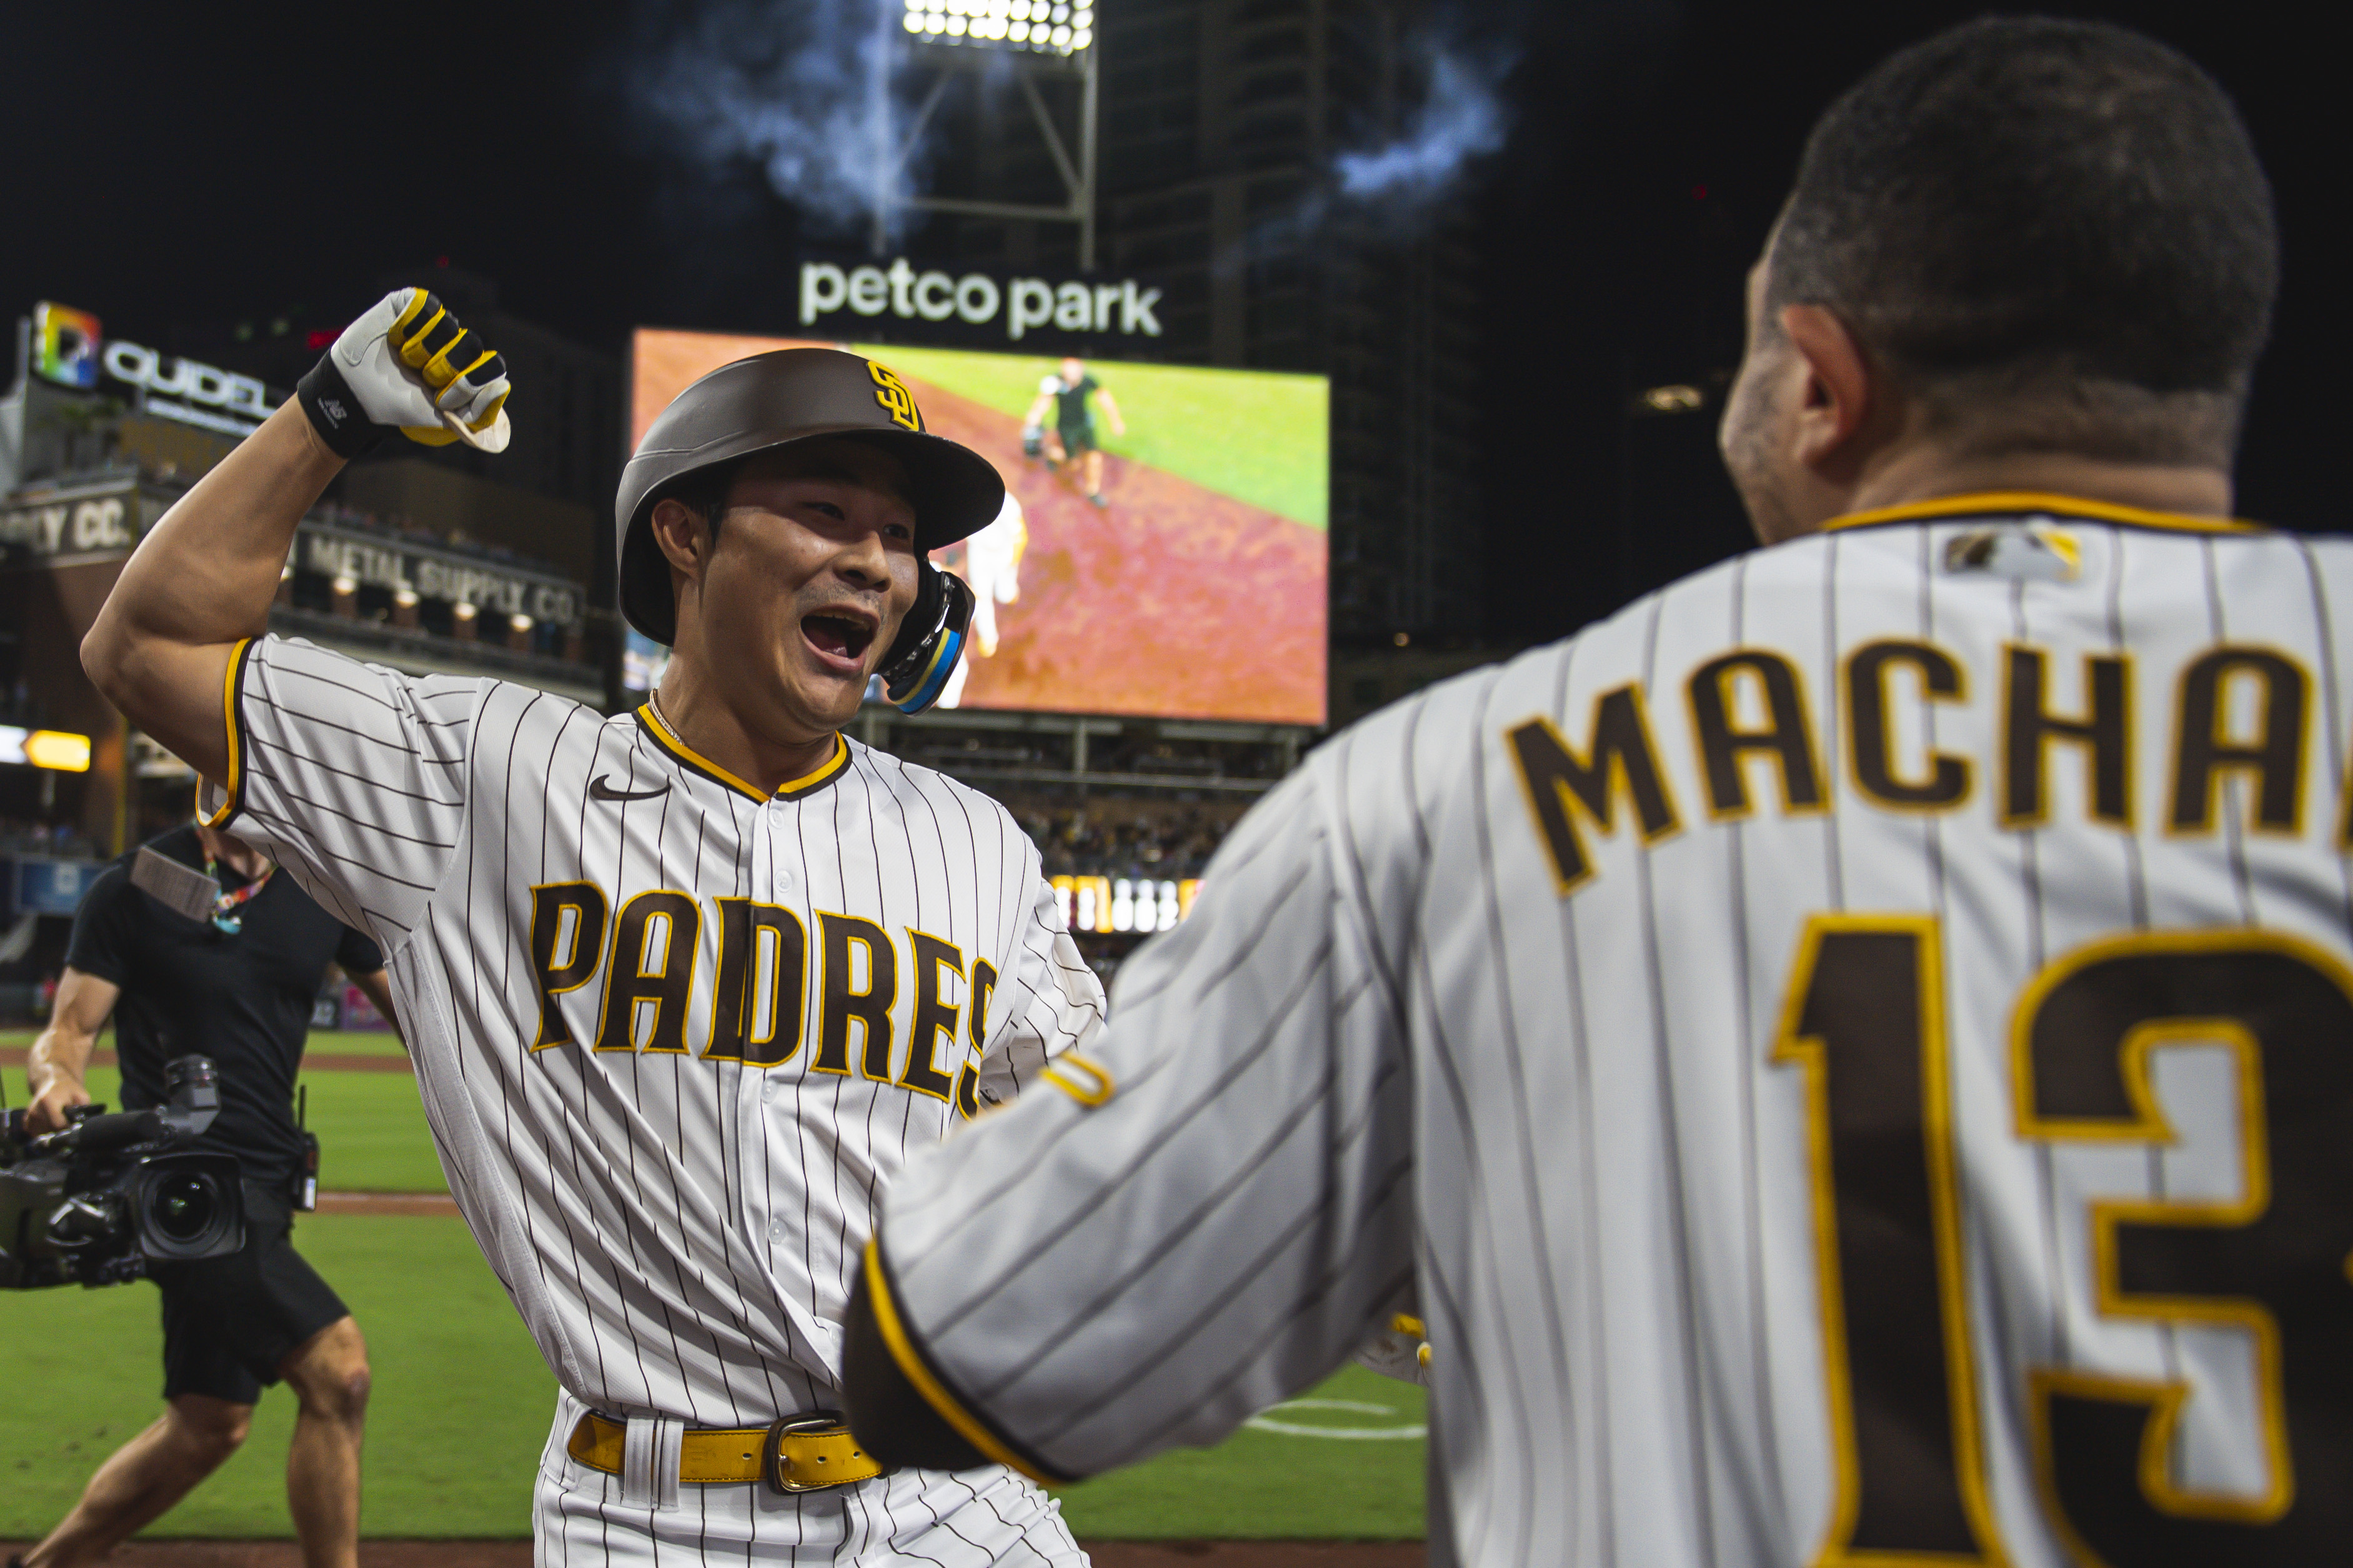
<point>372,1133</point>
<point>462,1403</point>
<point>354,1042</point>
<point>1260,436</point>
<point>462,1400</point>
<point>371,1127</point>
<point>1275,1486</point>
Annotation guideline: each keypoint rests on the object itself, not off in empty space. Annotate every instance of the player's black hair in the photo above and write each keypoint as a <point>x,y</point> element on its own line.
<point>2026,207</point>
<point>704,491</point>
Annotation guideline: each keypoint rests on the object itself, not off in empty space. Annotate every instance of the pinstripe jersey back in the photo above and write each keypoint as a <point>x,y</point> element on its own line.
<point>671,1036</point>
<point>1854,1054</point>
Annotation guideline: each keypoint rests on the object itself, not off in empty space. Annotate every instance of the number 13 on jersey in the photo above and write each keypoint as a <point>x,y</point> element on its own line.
<point>1865,1021</point>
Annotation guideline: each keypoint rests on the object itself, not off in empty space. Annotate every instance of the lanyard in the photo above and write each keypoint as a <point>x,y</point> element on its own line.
<point>225,919</point>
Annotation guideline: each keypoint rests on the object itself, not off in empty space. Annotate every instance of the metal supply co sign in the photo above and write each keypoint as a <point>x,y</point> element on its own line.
<point>66,526</point>
<point>364,558</point>
<point>976,307</point>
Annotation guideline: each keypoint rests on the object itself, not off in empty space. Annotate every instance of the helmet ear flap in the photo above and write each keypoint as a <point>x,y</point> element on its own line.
<point>923,618</point>
<point>931,640</point>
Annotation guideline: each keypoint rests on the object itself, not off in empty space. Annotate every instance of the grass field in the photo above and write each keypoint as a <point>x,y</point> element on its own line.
<point>370,1129</point>
<point>1257,435</point>
<point>462,1400</point>
<point>355,1043</point>
<point>461,1406</point>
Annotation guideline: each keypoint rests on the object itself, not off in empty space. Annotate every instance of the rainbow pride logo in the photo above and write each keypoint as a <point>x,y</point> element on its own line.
<point>65,344</point>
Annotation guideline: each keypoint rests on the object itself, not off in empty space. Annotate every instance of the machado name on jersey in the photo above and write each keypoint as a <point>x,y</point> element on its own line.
<point>1852,1054</point>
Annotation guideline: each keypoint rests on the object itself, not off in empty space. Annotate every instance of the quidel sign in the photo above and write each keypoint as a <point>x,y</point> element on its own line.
<point>976,307</point>
<point>67,350</point>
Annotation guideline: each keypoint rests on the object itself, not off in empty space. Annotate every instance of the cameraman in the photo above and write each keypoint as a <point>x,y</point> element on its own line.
<point>237,988</point>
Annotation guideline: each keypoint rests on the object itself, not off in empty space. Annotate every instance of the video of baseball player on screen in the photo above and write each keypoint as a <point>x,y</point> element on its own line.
<point>1161,552</point>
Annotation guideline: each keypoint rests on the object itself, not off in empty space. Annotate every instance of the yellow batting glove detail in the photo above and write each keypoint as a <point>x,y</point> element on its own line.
<point>421,311</point>
<point>408,365</point>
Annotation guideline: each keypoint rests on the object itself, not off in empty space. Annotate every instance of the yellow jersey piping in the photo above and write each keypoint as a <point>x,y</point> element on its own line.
<point>912,1366</point>
<point>233,720</point>
<point>2010,504</point>
<point>792,789</point>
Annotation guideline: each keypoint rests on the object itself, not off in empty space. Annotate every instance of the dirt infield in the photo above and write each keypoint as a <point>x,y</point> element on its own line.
<point>1173,600</point>
<point>517,1553</point>
<point>1177,601</point>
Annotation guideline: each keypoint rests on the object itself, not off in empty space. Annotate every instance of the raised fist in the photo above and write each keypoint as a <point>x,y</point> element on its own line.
<point>408,365</point>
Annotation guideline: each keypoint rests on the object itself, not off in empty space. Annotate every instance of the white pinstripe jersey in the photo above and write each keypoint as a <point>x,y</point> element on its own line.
<point>1854,1054</point>
<point>672,1038</point>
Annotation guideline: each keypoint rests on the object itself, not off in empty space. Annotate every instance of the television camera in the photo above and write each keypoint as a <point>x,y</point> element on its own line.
<point>96,1201</point>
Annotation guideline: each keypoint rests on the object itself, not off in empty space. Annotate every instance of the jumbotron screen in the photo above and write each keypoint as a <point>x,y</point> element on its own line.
<point>1161,552</point>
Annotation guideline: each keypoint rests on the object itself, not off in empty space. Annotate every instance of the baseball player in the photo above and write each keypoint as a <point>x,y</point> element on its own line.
<point>992,567</point>
<point>1066,393</point>
<point>684,985</point>
<point>192,941</point>
<point>1851,1058</point>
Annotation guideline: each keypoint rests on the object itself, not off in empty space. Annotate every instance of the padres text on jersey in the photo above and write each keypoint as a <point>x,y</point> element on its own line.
<point>672,1036</point>
<point>1854,1054</point>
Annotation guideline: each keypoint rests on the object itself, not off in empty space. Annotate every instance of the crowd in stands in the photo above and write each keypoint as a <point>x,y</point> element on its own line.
<point>1123,869</point>
<point>1162,840</point>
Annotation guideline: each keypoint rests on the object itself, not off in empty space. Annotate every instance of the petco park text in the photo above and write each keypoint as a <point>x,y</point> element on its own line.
<point>977,299</point>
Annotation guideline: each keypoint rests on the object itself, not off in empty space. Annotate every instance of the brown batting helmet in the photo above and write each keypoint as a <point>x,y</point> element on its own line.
<point>773,400</point>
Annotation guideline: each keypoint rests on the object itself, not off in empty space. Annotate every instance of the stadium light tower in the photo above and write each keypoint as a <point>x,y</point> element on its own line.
<point>1037,40</point>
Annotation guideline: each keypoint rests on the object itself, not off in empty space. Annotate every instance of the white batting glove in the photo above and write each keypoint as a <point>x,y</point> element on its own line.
<point>408,365</point>
<point>1401,1351</point>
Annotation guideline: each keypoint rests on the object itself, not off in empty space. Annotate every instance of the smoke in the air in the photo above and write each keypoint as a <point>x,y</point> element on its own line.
<point>806,92</point>
<point>1397,184</point>
<point>1462,118</point>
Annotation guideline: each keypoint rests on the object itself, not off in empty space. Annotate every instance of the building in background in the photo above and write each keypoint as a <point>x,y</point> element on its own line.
<point>549,494</point>
<point>1220,124</point>
<point>413,559</point>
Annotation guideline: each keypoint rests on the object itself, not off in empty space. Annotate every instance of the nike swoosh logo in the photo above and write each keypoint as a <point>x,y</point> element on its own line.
<point>600,790</point>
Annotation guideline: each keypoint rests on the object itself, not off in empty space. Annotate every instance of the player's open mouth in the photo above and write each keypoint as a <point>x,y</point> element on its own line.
<point>842,637</point>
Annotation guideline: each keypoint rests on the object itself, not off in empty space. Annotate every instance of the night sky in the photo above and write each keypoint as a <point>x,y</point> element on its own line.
<point>176,166</point>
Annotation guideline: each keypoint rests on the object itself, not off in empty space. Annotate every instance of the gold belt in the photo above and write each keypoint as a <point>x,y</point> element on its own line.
<point>797,1454</point>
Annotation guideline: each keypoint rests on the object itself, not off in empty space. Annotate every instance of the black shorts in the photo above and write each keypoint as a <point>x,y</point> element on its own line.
<point>229,1322</point>
<point>1077,438</point>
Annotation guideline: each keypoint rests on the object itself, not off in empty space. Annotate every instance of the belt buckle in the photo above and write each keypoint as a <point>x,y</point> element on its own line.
<point>824,1424</point>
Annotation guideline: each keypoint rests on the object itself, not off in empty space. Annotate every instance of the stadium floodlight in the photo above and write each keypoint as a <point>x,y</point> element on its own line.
<point>1035,26</point>
<point>1048,40</point>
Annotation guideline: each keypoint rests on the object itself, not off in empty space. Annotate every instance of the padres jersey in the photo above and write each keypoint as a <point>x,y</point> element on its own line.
<point>672,1036</point>
<point>1853,1058</point>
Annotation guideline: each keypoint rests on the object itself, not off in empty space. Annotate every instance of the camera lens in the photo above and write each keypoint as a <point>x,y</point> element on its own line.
<point>182,1207</point>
